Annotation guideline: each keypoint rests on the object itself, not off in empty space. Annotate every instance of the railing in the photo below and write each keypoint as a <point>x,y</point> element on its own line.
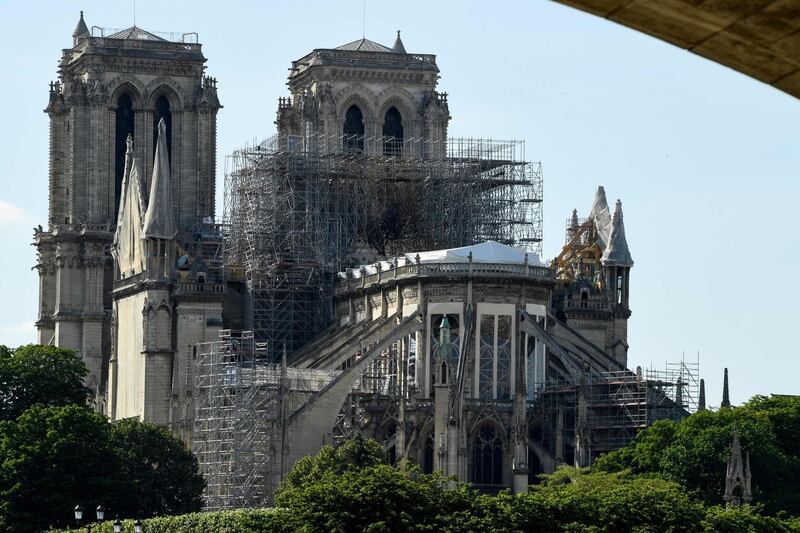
<point>576,303</point>
<point>171,36</point>
<point>392,57</point>
<point>194,287</point>
<point>444,270</point>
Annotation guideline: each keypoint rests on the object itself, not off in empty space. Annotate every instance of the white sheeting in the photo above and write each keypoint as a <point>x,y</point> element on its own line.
<point>617,252</point>
<point>128,237</point>
<point>158,221</point>
<point>601,215</point>
<point>485,252</point>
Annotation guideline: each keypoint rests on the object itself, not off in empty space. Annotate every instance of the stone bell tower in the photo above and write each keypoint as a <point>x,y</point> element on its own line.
<point>111,86</point>
<point>365,97</point>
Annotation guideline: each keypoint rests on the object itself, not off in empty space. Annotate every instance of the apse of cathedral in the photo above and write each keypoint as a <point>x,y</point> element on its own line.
<point>367,274</point>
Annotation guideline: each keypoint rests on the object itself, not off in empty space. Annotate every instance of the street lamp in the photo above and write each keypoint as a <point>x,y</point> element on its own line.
<point>137,526</point>
<point>117,526</point>
<point>100,512</point>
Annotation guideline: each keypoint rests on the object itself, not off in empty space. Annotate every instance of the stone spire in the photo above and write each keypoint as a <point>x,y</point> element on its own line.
<point>701,404</point>
<point>81,31</point>
<point>398,47</point>
<point>737,476</point>
<point>616,252</point>
<point>159,221</point>
<point>726,400</point>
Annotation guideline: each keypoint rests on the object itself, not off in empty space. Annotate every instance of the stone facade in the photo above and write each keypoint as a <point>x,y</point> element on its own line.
<point>386,93</point>
<point>110,87</point>
<point>464,368</point>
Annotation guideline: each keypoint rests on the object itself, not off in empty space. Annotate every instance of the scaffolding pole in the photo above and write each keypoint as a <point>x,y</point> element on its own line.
<point>297,211</point>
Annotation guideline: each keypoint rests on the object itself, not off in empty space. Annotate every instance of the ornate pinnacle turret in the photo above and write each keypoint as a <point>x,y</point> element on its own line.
<point>726,400</point>
<point>737,476</point>
<point>398,47</point>
<point>81,31</point>
<point>616,252</point>
<point>701,404</point>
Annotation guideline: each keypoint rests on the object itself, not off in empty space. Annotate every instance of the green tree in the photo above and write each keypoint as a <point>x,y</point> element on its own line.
<point>52,458</point>
<point>351,488</point>
<point>695,451</point>
<point>39,375</point>
<point>158,474</point>
<point>353,453</point>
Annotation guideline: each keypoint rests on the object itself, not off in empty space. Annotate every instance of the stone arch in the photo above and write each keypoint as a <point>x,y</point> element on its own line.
<point>149,316</point>
<point>163,326</point>
<point>498,425</point>
<point>132,86</point>
<point>400,98</point>
<point>355,94</point>
<point>165,87</point>
<point>488,447</point>
<point>426,446</point>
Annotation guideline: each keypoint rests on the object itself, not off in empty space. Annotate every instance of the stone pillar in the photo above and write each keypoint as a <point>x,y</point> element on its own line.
<point>559,435</point>
<point>441,415</point>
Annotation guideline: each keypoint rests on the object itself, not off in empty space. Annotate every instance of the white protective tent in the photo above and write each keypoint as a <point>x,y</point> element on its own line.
<point>485,252</point>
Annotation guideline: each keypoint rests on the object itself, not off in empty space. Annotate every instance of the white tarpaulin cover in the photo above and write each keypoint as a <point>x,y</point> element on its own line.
<point>158,220</point>
<point>128,237</point>
<point>485,252</point>
<point>617,252</point>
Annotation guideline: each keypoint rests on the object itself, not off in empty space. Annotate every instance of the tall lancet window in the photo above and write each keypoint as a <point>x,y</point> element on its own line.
<point>392,132</point>
<point>163,111</point>
<point>354,130</point>
<point>487,457</point>
<point>124,127</point>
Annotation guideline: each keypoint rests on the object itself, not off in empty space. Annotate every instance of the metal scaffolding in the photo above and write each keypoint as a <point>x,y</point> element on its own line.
<point>674,388</point>
<point>618,405</point>
<point>243,403</point>
<point>297,211</point>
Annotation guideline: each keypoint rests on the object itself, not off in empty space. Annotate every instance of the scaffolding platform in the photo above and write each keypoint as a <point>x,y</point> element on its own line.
<point>297,210</point>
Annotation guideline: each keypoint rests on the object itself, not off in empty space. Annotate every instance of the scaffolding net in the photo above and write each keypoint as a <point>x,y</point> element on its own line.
<point>297,211</point>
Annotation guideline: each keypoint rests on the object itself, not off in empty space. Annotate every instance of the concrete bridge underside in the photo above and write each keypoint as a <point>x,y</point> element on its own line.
<point>759,38</point>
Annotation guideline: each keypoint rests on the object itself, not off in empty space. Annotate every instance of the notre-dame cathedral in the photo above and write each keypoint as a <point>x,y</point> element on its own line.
<point>388,277</point>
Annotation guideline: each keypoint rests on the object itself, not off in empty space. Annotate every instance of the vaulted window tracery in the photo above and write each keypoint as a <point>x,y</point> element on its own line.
<point>487,456</point>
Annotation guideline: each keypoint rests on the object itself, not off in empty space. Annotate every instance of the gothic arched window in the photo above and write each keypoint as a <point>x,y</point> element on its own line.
<point>354,130</point>
<point>124,127</point>
<point>392,132</point>
<point>162,110</point>
<point>487,457</point>
<point>427,454</point>
<point>534,467</point>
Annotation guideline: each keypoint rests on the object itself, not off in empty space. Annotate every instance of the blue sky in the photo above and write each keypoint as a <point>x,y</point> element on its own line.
<point>705,160</point>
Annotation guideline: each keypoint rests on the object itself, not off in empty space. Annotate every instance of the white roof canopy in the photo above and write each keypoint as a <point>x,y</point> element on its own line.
<point>485,252</point>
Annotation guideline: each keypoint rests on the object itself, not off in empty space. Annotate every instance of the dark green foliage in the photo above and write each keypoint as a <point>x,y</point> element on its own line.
<point>52,458</point>
<point>56,453</point>
<point>157,474</point>
<point>39,375</point>
<point>239,521</point>
<point>694,452</point>
<point>349,489</point>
